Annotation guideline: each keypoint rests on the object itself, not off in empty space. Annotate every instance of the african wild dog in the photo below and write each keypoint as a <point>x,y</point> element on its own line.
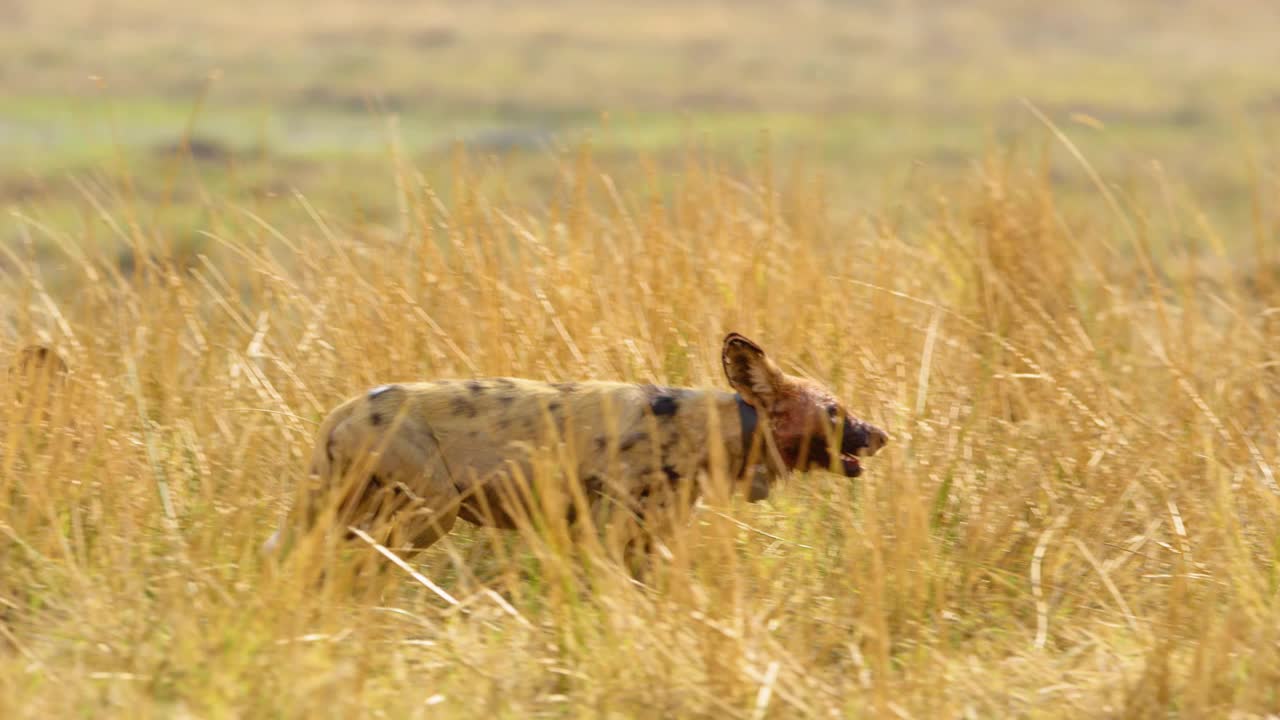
<point>408,459</point>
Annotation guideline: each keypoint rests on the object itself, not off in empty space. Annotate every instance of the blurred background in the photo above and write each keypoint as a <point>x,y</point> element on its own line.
<point>172,103</point>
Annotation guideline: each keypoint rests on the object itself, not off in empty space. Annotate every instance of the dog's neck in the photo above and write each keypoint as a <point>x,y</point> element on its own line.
<point>757,465</point>
<point>749,421</point>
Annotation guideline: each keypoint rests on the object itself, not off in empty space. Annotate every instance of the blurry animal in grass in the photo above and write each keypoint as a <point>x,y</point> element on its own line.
<point>402,462</point>
<point>36,377</point>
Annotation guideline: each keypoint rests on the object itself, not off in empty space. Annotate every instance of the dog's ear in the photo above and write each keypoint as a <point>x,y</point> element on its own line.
<point>751,372</point>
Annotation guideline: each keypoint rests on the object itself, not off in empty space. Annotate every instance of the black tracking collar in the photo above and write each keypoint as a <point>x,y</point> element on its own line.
<point>750,419</point>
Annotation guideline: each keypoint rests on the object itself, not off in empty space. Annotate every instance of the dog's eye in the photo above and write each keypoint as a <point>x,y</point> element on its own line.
<point>832,411</point>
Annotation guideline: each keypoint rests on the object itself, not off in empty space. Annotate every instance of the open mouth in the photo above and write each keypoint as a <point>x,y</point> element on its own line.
<point>850,465</point>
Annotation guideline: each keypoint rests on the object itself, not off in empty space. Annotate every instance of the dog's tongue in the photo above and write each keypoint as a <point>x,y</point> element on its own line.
<point>851,466</point>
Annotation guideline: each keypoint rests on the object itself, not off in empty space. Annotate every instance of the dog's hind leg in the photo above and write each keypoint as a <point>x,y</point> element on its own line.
<point>398,482</point>
<point>380,470</point>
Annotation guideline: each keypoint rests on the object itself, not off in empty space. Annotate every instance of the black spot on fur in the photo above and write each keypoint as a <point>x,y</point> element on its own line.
<point>554,407</point>
<point>631,440</point>
<point>640,546</point>
<point>664,405</point>
<point>475,386</point>
<point>461,406</point>
<point>328,449</point>
<point>673,477</point>
<point>375,419</point>
<point>375,482</point>
<point>382,390</point>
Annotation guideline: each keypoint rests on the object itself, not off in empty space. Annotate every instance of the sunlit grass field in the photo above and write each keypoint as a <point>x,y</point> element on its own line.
<point>1065,311</point>
<point>1077,515</point>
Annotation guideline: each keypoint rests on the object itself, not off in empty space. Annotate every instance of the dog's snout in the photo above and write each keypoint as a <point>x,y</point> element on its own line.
<point>876,439</point>
<point>862,438</point>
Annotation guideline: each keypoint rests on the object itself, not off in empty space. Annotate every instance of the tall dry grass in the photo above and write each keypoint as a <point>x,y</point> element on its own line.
<point>1077,517</point>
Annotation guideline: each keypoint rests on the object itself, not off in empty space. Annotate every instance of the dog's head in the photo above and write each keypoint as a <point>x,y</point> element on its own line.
<point>812,429</point>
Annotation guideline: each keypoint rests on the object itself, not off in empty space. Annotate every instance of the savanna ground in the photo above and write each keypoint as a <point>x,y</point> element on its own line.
<point>231,216</point>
